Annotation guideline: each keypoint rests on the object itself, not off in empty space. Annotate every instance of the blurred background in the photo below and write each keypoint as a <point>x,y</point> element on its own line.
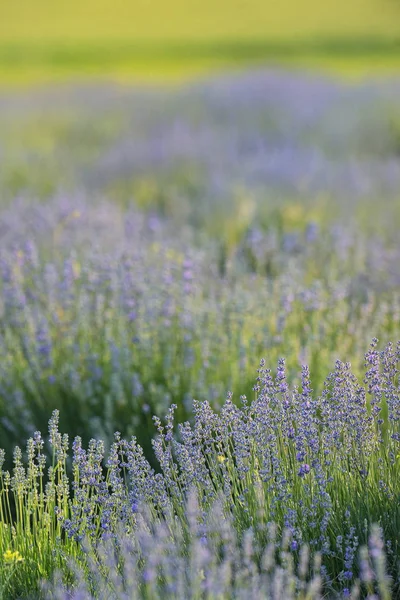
<point>43,41</point>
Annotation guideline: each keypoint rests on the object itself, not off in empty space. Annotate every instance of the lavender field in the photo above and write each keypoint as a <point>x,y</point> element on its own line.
<point>200,312</point>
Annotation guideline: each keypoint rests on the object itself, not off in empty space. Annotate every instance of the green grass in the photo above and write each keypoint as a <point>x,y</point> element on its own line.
<point>144,21</point>
<point>29,62</point>
<point>182,38</point>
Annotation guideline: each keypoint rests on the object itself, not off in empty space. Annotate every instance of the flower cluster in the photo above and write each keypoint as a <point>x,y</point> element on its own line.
<point>161,562</point>
<point>12,558</point>
<point>322,468</point>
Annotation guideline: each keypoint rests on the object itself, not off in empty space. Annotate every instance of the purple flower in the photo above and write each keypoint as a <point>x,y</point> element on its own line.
<point>304,470</point>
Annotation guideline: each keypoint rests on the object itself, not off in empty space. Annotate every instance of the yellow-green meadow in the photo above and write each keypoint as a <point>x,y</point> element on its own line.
<point>45,41</point>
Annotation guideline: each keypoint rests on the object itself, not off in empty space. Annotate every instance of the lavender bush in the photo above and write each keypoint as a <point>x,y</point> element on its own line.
<point>314,472</point>
<point>152,565</point>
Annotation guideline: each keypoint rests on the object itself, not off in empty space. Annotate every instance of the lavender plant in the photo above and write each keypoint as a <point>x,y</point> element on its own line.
<point>322,468</point>
<point>158,563</point>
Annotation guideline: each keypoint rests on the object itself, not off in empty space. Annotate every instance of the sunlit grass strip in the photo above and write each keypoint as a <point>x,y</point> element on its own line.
<point>169,61</point>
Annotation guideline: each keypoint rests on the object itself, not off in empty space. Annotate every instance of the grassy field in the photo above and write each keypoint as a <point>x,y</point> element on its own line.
<point>42,42</point>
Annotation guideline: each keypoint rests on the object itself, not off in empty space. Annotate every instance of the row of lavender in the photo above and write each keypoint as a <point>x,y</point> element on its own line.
<point>275,498</point>
<point>269,134</point>
<point>112,334</point>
